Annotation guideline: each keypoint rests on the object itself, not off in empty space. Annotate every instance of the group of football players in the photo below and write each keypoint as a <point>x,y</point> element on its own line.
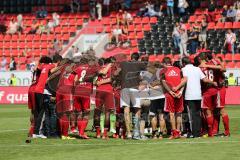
<point>126,97</point>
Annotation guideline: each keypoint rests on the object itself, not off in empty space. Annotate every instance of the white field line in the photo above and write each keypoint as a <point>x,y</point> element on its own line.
<point>13,130</point>
<point>120,144</point>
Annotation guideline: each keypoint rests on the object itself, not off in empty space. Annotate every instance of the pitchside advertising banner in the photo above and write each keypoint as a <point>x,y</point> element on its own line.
<point>24,78</point>
<point>19,94</point>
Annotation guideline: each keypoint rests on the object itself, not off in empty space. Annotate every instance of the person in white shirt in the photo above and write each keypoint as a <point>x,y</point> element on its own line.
<point>230,41</point>
<point>12,28</point>
<point>193,94</point>
<point>183,41</point>
<point>99,10</point>
<point>3,64</point>
<point>127,18</point>
<point>56,19</point>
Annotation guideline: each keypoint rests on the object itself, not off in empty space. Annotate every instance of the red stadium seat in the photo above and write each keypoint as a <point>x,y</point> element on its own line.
<point>137,20</point>
<point>219,25</point>
<point>146,27</point>
<point>138,28</point>
<point>131,28</point>
<point>230,65</point>
<point>211,25</point>
<point>153,20</point>
<point>145,20</point>
<point>192,19</point>
<point>229,57</point>
<point>236,25</point>
<point>228,25</point>
<point>237,65</point>
<point>236,57</point>
<point>139,35</point>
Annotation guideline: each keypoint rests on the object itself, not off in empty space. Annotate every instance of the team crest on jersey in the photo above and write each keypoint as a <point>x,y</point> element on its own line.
<point>172,73</point>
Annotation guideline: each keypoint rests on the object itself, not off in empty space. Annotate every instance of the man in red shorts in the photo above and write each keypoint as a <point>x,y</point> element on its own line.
<point>172,77</point>
<point>64,99</point>
<point>219,77</point>
<point>104,97</point>
<point>85,72</point>
<point>210,92</point>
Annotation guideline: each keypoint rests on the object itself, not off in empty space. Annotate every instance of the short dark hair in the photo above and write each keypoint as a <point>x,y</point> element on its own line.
<point>57,58</point>
<point>45,59</point>
<point>203,56</point>
<point>196,61</point>
<point>101,61</point>
<point>167,60</point>
<point>186,60</point>
<point>177,64</point>
<point>209,56</point>
<point>135,56</point>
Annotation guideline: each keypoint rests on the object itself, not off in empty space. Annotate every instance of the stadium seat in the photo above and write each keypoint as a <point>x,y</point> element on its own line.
<point>236,57</point>
<point>228,25</point>
<point>228,57</point>
<point>230,65</point>
<point>219,25</point>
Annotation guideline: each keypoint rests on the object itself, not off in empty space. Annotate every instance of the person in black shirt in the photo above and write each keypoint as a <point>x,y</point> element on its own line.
<point>193,40</point>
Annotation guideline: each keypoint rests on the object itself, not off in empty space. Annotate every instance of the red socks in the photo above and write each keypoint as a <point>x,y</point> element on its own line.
<point>98,131</point>
<point>226,124</point>
<point>216,124</point>
<point>210,126</point>
<point>105,133</point>
<point>82,125</point>
<point>64,125</point>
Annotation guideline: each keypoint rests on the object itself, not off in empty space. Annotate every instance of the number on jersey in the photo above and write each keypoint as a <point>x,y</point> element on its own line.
<point>209,74</point>
<point>82,76</point>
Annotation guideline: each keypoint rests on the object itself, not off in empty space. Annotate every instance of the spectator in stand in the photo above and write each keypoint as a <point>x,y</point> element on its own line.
<point>176,36</point>
<point>92,10</point>
<point>20,26</point>
<point>12,65</point>
<point>127,4</point>
<point>237,14</point>
<point>170,6</point>
<point>127,18</point>
<point>57,45</point>
<point>49,27</point>
<point>99,10</point>
<point>3,64</point>
<point>119,17</point>
<point>56,19</point>
<point>230,41</point>
<point>231,14</point>
<point>237,4</point>
<point>3,19</point>
<point>70,52</point>
<point>106,4</point>
<point>34,27</point>
<point>150,10</point>
<point>182,6</point>
<point>12,28</point>
<point>211,11</point>
<point>158,7</point>
<point>42,13</point>
<point>224,13</point>
<point>203,33</point>
<point>183,41</point>
<point>75,6</point>
<point>41,28</point>
<point>193,40</point>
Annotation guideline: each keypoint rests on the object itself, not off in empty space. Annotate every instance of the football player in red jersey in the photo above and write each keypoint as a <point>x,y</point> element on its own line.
<point>45,66</point>
<point>105,96</point>
<point>172,77</point>
<point>209,91</point>
<point>85,71</point>
<point>64,99</point>
<point>219,77</point>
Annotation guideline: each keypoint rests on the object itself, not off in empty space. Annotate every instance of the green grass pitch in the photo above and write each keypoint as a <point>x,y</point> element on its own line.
<point>14,123</point>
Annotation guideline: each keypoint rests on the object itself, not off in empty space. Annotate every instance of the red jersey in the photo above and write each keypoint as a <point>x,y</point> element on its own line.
<point>45,69</point>
<point>172,76</point>
<point>210,74</point>
<point>66,83</point>
<point>219,76</point>
<point>85,74</point>
<point>106,86</point>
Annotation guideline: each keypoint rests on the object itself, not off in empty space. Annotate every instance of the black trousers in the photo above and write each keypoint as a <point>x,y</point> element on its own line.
<point>194,114</point>
<point>50,120</point>
<point>38,112</point>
